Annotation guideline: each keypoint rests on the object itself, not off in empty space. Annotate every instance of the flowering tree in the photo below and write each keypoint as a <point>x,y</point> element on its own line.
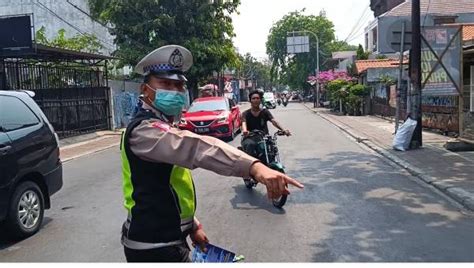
<point>327,76</point>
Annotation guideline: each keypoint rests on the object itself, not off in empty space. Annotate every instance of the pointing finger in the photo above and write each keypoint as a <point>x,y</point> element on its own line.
<point>293,182</point>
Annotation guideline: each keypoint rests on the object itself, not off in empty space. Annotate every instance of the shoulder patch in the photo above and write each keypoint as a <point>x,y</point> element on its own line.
<point>161,125</point>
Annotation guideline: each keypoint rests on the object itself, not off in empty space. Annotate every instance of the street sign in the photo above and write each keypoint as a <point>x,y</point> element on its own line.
<point>297,44</point>
<point>395,35</point>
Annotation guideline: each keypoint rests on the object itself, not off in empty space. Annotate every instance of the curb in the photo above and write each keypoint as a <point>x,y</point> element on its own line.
<point>89,152</point>
<point>459,195</point>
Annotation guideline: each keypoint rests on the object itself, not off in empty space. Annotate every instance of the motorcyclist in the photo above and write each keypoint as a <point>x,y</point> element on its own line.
<point>256,118</point>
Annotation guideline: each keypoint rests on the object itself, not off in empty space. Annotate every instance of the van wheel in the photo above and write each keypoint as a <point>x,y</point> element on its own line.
<point>26,211</point>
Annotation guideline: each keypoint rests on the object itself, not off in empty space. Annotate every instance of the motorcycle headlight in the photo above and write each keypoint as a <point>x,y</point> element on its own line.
<point>182,121</point>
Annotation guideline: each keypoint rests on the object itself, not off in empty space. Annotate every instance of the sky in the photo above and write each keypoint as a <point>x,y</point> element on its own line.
<point>256,18</point>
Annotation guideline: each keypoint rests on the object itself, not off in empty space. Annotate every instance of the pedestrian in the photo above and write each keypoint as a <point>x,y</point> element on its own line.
<point>156,157</point>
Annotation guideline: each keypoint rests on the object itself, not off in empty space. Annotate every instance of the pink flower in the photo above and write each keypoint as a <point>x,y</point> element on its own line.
<point>328,76</point>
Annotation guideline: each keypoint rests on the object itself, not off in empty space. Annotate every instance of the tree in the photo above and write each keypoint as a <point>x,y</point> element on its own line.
<point>259,72</point>
<point>361,54</point>
<point>204,28</point>
<point>79,42</point>
<point>340,45</point>
<point>293,70</point>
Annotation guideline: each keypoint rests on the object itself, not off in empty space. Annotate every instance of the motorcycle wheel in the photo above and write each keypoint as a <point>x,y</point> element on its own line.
<point>280,202</point>
<point>249,183</point>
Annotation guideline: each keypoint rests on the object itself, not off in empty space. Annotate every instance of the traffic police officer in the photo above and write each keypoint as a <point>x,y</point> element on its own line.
<point>156,157</point>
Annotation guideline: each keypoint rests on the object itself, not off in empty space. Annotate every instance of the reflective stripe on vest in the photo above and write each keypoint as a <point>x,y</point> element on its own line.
<point>186,224</point>
<point>144,246</point>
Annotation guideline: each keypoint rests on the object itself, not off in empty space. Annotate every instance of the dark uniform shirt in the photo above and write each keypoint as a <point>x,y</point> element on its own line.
<point>257,122</point>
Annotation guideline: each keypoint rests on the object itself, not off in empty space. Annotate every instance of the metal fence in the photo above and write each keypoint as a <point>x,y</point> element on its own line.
<point>75,111</point>
<point>74,96</point>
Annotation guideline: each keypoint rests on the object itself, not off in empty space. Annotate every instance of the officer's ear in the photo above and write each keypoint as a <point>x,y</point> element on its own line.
<point>146,93</point>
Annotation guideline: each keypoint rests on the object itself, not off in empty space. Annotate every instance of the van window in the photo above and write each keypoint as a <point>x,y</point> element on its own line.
<point>14,114</point>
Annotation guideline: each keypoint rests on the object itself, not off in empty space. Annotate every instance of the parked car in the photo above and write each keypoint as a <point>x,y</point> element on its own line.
<point>30,167</point>
<point>214,116</point>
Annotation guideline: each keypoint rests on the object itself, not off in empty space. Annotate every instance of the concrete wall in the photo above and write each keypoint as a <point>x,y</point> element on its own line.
<point>63,11</point>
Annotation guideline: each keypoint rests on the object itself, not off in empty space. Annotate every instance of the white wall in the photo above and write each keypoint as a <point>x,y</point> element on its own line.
<point>64,12</point>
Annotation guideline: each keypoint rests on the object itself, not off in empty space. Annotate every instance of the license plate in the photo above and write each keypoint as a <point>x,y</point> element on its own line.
<point>202,130</point>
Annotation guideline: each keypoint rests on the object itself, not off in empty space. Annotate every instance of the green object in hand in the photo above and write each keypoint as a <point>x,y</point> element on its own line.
<point>239,258</point>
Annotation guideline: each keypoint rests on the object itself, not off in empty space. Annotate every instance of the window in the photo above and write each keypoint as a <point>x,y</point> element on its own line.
<point>444,20</point>
<point>204,106</point>
<point>14,114</point>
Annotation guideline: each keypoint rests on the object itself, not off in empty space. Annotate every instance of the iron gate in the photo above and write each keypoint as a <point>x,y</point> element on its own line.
<point>74,96</point>
<point>75,111</point>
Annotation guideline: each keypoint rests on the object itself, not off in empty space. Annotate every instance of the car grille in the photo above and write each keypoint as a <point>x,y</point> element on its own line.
<point>202,123</point>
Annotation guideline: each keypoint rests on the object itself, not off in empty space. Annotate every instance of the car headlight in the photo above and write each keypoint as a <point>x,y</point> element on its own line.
<point>222,120</point>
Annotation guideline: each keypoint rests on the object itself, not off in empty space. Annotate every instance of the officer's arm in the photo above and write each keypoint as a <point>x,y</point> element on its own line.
<point>158,142</point>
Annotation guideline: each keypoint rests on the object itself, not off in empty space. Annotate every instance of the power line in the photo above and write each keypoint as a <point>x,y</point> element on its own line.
<point>426,14</point>
<point>356,24</point>
<point>364,13</point>
<point>361,26</point>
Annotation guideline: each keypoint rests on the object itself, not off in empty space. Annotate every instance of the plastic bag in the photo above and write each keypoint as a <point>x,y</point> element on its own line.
<point>402,139</point>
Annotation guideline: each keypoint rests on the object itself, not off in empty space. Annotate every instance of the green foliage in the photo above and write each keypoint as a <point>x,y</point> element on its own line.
<point>255,70</point>
<point>359,90</point>
<point>381,57</point>
<point>294,70</point>
<point>361,54</point>
<point>387,80</point>
<point>79,42</point>
<point>351,95</point>
<point>204,28</point>
<point>338,90</point>
<point>341,46</point>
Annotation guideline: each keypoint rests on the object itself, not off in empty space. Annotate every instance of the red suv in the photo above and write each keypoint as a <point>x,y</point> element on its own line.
<point>214,116</point>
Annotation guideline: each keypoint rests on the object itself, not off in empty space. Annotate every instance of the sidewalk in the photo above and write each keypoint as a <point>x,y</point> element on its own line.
<point>75,147</point>
<point>451,173</point>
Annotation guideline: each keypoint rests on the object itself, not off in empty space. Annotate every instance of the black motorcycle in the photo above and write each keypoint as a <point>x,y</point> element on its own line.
<point>285,102</point>
<point>267,152</point>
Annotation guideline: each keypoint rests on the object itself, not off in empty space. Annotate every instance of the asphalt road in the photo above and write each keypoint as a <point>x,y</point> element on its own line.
<point>355,208</point>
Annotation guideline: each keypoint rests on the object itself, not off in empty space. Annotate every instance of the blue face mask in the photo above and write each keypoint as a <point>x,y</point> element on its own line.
<point>169,102</point>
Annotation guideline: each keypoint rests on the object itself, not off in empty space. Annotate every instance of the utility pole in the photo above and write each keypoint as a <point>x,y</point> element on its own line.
<point>415,61</point>
<point>400,77</point>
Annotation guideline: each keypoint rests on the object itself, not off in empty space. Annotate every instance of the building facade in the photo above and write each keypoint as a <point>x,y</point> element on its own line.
<point>70,15</point>
<point>378,34</point>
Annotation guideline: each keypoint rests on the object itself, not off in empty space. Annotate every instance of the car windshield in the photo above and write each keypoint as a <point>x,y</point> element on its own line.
<point>217,105</point>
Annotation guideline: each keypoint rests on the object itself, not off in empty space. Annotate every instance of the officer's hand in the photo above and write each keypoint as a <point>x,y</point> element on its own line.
<point>199,238</point>
<point>276,182</point>
<point>287,132</point>
<point>245,133</point>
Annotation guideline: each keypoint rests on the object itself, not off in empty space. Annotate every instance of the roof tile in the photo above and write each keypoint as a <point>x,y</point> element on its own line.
<point>434,7</point>
<point>363,65</point>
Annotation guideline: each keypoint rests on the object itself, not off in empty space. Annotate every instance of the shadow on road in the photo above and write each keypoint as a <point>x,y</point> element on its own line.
<point>379,214</point>
<point>7,241</point>
<point>253,199</point>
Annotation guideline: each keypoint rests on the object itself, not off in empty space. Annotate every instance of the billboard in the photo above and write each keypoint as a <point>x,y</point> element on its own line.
<point>15,33</point>
<point>441,55</point>
<point>297,44</point>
